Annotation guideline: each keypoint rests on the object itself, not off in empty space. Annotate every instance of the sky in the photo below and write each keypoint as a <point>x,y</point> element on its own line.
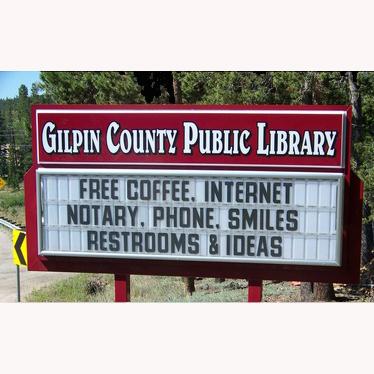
<point>10,81</point>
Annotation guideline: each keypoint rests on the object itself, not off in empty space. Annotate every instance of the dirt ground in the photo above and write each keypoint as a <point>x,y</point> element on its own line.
<point>29,279</point>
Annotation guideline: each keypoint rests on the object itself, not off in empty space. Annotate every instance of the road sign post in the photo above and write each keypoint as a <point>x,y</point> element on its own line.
<point>18,284</point>
<point>19,256</point>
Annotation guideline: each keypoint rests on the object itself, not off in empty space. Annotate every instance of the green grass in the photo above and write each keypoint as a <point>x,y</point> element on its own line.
<point>12,205</point>
<point>73,289</point>
<point>157,289</point>
<point>10,199</point>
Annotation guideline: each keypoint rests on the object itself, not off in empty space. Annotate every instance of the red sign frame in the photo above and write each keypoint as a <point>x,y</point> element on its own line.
<point>347,273</point>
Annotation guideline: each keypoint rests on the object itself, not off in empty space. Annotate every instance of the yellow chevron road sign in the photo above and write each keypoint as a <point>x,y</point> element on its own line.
<point>19,248</point>
<point>2,183</point>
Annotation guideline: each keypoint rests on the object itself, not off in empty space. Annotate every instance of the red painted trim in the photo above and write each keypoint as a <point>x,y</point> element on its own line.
<point>121,288</point>
<point>34,135</point>
<point>254,291</point>
<point>348,146</point>
<point>355,225</point>
<point>195,167</point>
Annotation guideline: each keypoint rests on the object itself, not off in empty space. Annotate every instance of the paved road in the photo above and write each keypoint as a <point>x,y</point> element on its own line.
<point>29,279</point>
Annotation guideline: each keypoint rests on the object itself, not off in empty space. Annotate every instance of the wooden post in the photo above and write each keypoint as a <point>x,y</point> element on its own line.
<point>121,288</point>
<point>254,291</point>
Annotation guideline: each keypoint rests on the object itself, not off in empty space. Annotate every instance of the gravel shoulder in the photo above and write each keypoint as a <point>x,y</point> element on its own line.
<point>30,280</point>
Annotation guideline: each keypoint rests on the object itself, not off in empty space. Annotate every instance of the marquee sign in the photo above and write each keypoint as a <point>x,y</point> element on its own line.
<point>233,191</point>
<point>209,216</point>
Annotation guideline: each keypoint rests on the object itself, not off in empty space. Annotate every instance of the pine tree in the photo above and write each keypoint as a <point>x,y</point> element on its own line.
<point>91,88</point>
<point>3,147</point>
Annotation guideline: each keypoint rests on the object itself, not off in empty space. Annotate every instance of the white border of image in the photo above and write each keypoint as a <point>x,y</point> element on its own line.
<point>209,35</point>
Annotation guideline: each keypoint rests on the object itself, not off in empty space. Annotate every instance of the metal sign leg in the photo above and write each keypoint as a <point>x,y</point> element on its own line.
<point>121,288</point>
<point>254,291</point>
<point>18,285</point>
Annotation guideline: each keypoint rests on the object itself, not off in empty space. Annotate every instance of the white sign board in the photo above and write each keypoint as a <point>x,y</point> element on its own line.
<point>230,216</point>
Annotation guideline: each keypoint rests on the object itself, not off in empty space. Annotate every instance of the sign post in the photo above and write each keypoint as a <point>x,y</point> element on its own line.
<point>216,191</point>
<point>18,284</point>
<point>19,256</point>
<point>254,291</point>
<point>121,288</point>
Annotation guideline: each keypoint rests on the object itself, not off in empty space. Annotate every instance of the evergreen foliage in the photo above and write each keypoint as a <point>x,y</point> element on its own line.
<point>15,137</point>
<point>197,88</point>
<point>91,88</point>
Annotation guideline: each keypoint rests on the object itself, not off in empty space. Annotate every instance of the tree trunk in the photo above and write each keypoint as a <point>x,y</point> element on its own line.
<point>306,288</point>
<point>323,292</point>
<point>177,89</point>
<point>313,291</point>
<point>307,90</point>
<point>367,228</point>
<point>306,291</point>
<point>189,282</point>
<point>367,237</point>
<point>356,106</point>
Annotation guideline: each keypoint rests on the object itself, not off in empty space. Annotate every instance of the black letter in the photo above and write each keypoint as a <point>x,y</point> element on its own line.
<point>82,189</point>
<point>193,241</point>
<point>114,241</point>
<point>292,224</point>
<point>92,240</point>
<point>276,247</point>
<point>233,221</point>
<point>72,215</point>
